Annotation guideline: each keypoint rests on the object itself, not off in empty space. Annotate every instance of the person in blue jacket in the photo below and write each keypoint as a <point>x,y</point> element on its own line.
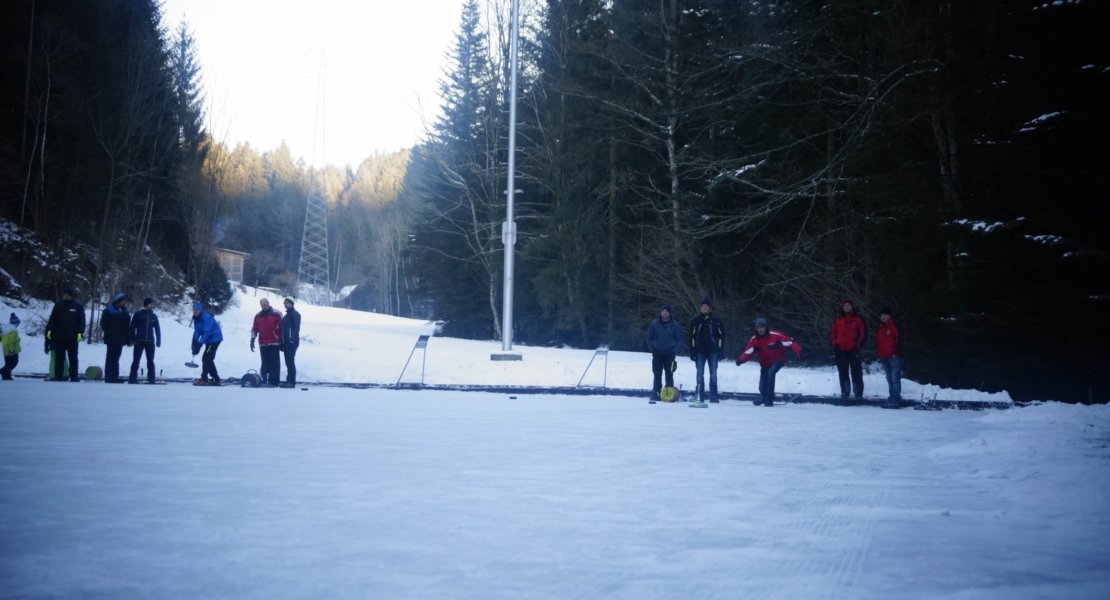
<point>664,340</point>
<point>206,331</point>
<point>115,322</point>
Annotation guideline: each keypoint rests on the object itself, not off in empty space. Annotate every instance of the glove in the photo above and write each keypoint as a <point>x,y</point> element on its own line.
<point>252,344</point>
<point>80,337</point>
<point>694,357</point>
<point>158,345</point>
<point>46,346</point>
<point>196,348</point>
<point>674,366</point>
<point>738,363</point>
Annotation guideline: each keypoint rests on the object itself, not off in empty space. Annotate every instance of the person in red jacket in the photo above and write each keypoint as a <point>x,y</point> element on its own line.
<point>771,346</point>
<point>847,336</point>
<point>267,328</point>
<point>890,345</point>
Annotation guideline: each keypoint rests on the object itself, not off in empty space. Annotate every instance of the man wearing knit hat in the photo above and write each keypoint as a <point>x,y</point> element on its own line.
<point>64,331</point>
<point>146,334</point>
<point>115,321</point>
<point>847,337</point>
<point>769,346</point>
<point>707,346</point>
<point>207,333</point>
<point>664,340</point>
<point>290,341</point>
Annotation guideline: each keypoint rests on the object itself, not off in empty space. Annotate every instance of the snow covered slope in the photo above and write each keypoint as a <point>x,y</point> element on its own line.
<point>341,345</point>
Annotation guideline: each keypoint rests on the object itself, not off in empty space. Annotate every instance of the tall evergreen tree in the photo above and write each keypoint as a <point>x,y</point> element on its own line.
<point>566,256</point>
<point>457,242</point>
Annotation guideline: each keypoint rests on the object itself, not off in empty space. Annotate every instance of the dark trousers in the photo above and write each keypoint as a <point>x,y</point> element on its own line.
<point>767,382</point>
<point>140,348</point>
<point>208,362</point>
<point>111,362</point>
<point>660,364</point>
<point>893,368</point>
<point>62,351</point>
<point>271,364</point>
<point>711,360</point>
<point>848,362</point>
<point>291,364</point>
<point>10,361</point>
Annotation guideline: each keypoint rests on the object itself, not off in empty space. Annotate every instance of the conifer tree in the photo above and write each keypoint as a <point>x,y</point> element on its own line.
<point>457,242</point>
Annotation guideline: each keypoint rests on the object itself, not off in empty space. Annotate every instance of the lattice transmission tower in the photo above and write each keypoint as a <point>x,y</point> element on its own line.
<point>314,271</point>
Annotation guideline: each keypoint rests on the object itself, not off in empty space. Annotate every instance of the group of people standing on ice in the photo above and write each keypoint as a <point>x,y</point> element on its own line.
<point>66,326</point>
<point>705,338</point>
<point>273,333</point>
<point>65,330</point>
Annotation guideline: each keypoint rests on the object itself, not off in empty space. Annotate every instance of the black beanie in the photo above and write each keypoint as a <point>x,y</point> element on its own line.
<point>148,301</point>
<point>706,301</point>
<point>665,307</point>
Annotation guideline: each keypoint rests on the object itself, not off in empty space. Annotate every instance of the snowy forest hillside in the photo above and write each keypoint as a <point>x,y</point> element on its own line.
<point>937,158</point>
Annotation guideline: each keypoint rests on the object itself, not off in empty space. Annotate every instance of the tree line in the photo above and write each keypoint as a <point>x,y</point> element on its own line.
<point>936,157</point>
<point>106,156</point>
<point>941,158</point>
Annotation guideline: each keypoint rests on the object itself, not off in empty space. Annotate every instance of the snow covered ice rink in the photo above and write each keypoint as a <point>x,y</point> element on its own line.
<point>183,492</point>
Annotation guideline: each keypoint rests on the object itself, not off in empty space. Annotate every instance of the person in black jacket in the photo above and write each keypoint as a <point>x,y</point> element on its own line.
<point>115,321</point>
<point>707,346</point>
<point>290,341</point>
<point>146,334</point>
<point>64,330</point>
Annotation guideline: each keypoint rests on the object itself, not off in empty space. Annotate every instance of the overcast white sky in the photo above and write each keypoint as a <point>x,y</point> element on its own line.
<point>262,64</point>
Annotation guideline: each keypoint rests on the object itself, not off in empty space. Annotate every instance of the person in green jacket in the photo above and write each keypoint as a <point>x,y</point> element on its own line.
<point>9,338</point>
